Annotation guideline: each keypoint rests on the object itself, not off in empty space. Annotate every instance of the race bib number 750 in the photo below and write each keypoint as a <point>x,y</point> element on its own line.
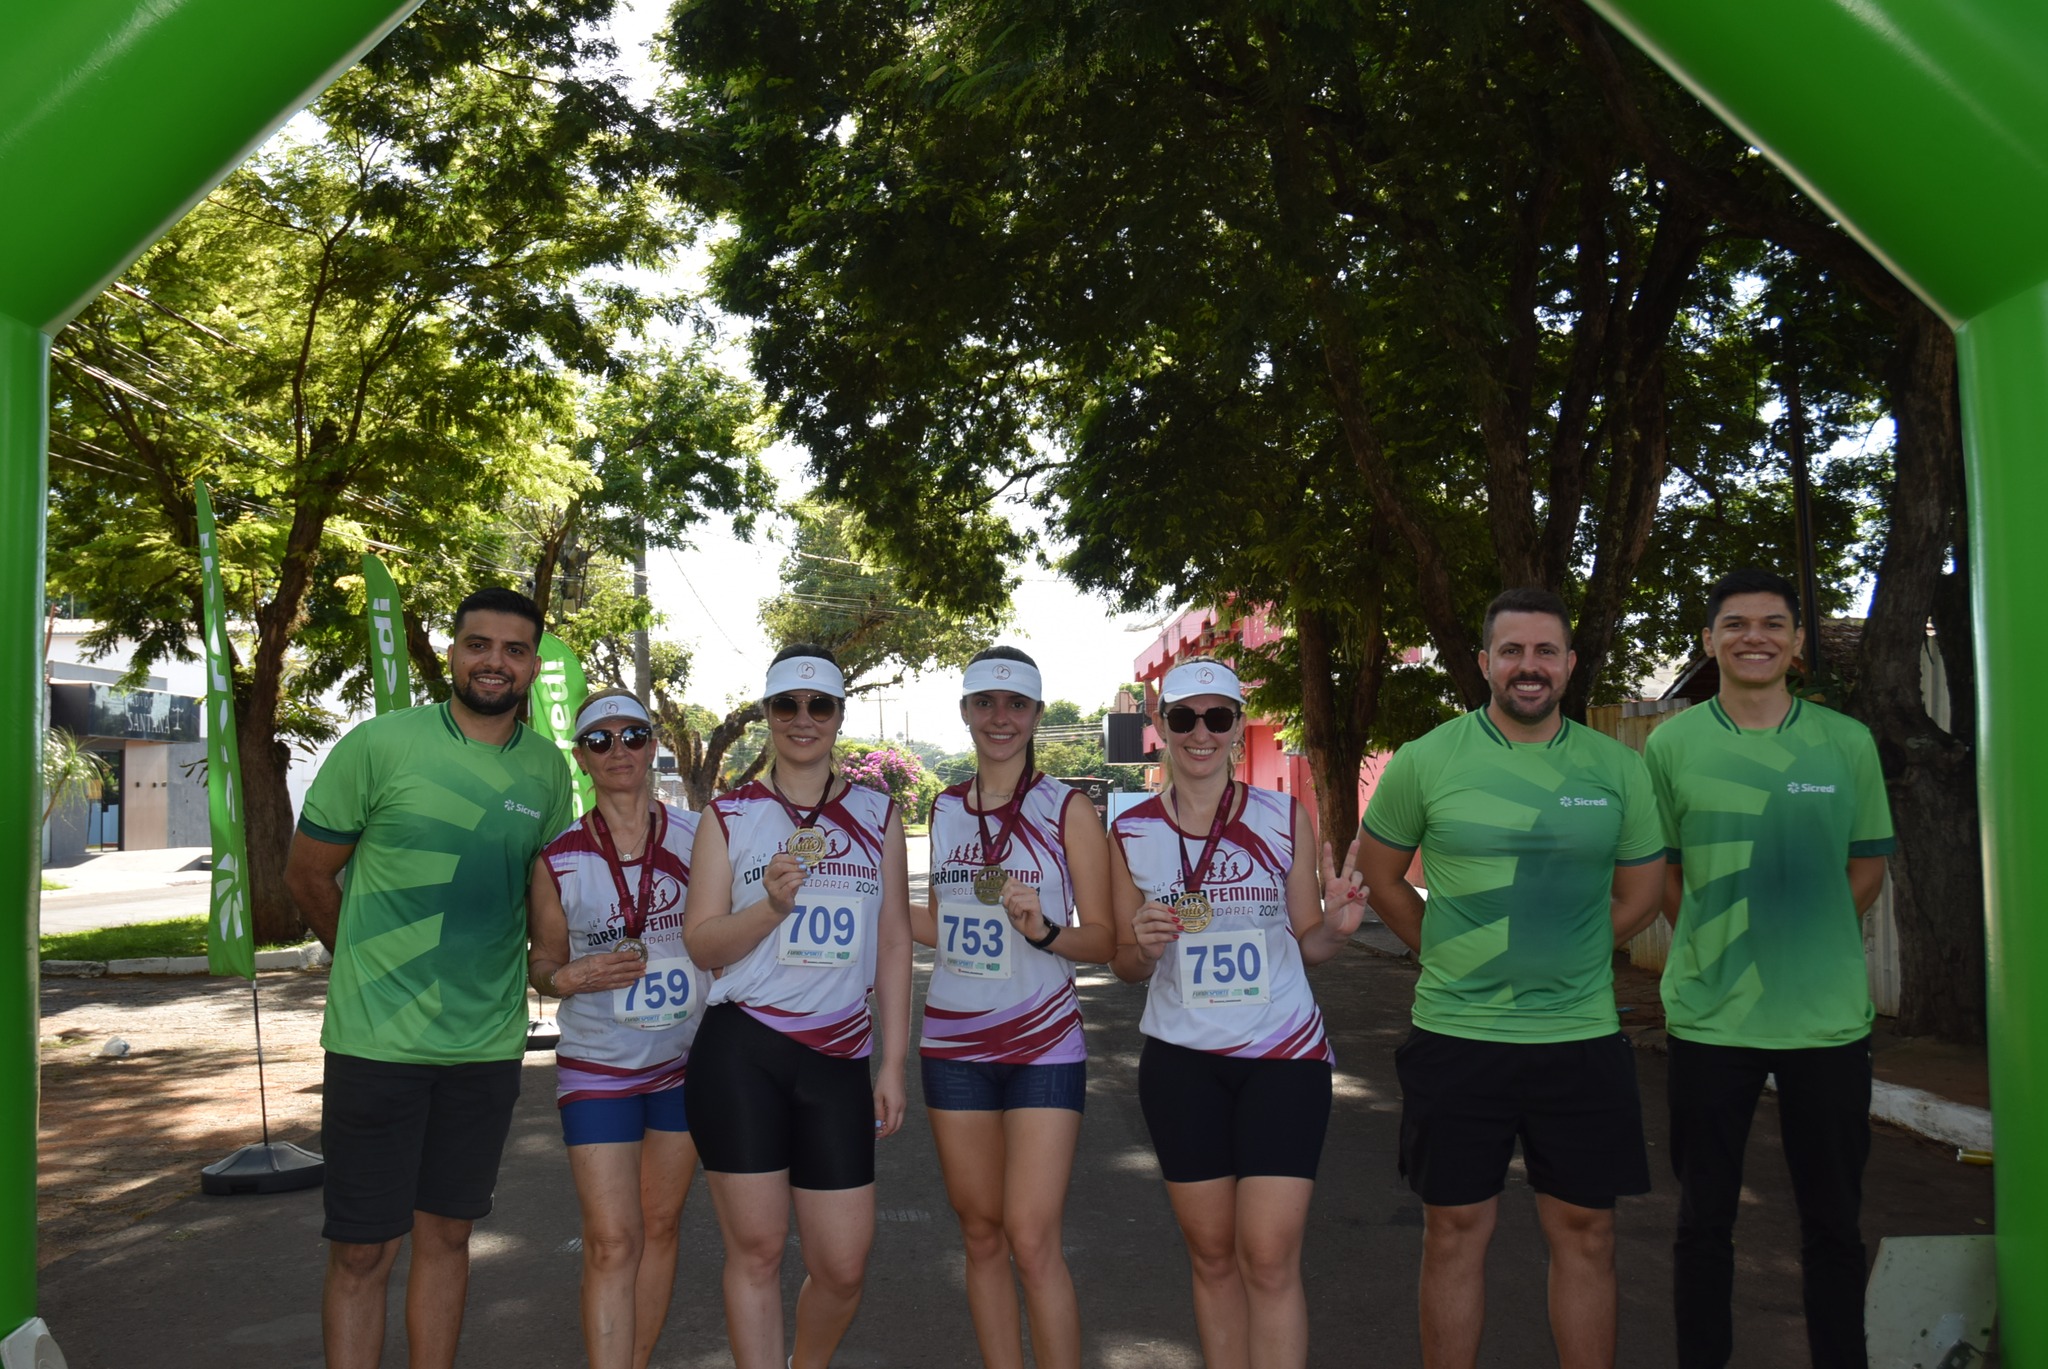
<point>1220,969</point>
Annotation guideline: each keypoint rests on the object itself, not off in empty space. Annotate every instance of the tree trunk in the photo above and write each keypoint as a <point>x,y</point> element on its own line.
<point>267,829</point>
<point>701,780</point>
<point>1937,872</point>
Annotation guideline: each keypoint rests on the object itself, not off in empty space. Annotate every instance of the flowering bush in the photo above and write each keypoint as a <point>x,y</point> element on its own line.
<point>898,774</point>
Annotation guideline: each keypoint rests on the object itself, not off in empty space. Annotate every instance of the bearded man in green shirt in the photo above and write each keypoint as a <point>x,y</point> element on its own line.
<point>437,813</point>
<point>1775,815</point>
<point>1542,848</point>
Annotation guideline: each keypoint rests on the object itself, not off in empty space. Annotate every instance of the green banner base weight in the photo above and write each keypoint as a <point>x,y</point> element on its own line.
<point>267,1166</point>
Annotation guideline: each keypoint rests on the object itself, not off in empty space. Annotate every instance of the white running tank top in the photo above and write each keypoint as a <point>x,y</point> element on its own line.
<point>1031,1017</point>
<point>1246,884</point>
<point>824,1004</point>
<point>599,1055</point>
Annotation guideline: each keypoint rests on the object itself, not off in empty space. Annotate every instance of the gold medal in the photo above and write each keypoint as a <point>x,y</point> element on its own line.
<point>807,844</point>
<point>988,883</point>
<point>632,944</point>
<point>1194,910</point>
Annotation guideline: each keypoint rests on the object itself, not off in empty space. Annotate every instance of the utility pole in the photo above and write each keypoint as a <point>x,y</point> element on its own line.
<point>643,667</point>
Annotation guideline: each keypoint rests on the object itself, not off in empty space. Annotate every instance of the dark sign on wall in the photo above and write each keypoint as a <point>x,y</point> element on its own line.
<point>144,715</point>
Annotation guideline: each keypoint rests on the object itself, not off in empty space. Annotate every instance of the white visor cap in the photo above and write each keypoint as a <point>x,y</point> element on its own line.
<point>1017,677</point>
<point>622,707</point>
<point>813,673</point>
<point>1190,678</point>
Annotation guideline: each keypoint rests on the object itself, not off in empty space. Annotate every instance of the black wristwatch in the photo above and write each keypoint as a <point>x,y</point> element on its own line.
<point>1052,930</point>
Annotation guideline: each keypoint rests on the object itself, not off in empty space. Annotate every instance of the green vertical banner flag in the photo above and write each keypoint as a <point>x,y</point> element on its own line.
<point>384,618</point>
<point>557,692</point>
<point>230,938</point>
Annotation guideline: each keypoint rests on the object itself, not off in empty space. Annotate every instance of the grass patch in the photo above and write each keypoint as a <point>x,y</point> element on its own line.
<point>49,884</point>
<point>136,941</point>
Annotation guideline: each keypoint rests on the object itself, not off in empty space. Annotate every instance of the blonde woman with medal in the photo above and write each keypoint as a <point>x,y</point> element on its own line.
<point>1221,903</point>
<point>801,903</point>
<point>605,923</point>
<point>1019,893</point>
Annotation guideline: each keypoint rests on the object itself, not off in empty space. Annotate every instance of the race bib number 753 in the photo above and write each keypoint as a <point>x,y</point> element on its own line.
<point>974,940</point>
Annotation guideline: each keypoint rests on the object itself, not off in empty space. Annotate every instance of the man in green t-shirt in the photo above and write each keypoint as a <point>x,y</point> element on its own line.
<point>437,813</point>
<point>1775,815</point>
<point>1541,850</point>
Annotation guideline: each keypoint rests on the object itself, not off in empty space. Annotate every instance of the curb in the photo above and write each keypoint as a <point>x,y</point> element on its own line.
<point>311,956</point>
<point>1915,1110</point>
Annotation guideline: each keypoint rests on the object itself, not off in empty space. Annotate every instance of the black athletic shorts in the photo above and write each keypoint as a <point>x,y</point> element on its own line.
<point>1573,1105</point>
<point>760,1101</point>
<point>400,1139</point>
<point>1219,1116</point>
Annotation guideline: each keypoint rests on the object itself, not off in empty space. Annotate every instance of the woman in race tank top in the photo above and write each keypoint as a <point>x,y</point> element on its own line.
<point>605,922</point>
<point>1217,913</point>
<point>1019,893</point>
<point>800,902</point>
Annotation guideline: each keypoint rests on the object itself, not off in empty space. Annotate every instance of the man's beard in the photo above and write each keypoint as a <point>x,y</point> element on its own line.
<point>1515,709</point>
<point>488,707</point>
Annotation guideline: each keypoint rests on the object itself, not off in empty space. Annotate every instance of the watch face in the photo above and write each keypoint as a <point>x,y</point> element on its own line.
<point>988,883</point>
<point>1194,911</point>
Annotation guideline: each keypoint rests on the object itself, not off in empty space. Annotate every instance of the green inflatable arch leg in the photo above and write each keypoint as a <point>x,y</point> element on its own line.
<point>1923,128</point>
<point>114,118</point>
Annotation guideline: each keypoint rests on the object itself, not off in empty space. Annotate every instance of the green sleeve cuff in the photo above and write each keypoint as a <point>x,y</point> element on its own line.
<point>328,834</point>
<point>1879,846</point>
<point>1657,855</point>
<point>1384,840</point>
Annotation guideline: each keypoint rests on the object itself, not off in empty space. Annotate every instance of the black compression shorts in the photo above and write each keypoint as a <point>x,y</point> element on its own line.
<point>1218,1116</point>
<point>759,1102</point>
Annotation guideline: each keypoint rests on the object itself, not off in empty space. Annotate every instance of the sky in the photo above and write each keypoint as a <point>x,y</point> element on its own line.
<point>710,595</point>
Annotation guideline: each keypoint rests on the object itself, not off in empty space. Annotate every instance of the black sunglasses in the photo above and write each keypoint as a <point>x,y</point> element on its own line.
<point>822,707</point>
<point>1218,720</point>
<point>597,741</point>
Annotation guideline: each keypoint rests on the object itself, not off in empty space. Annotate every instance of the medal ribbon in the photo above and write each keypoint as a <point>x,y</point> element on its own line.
<point>634,910</point>
<point>996,851</point>
<point>1191,876</point>
<point>796,815</point>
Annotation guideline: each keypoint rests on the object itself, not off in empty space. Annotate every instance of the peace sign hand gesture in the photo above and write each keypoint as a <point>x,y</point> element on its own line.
<point>1344,893</point>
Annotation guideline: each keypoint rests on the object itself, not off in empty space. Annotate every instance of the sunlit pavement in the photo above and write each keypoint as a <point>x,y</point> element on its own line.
<point>236,1281</point>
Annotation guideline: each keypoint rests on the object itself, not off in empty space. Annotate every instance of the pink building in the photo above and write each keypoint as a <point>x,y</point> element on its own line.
<point>1267,761</point>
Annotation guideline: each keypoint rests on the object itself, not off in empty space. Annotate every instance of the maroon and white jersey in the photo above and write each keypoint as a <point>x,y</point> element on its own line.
<point>810,978</point>
<point>993,996</point>
<point>635,1039</point>
<point>1234,986</point>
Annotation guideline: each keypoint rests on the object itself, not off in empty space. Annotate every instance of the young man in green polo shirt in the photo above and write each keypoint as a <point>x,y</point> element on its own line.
<point>437,813</point>
<point>1542,849</point>
<point>1777,823</point>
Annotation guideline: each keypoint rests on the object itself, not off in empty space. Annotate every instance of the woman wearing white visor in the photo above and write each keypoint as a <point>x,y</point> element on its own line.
<point>1219,906</point>
<point>1019,893</point>
<point>801,902</point>
<point>605,921</point>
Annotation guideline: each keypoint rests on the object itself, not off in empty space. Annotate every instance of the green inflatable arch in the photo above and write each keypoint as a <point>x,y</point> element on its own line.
<point>1921,124</point>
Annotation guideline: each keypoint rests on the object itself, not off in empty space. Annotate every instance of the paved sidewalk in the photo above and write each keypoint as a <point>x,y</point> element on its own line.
<point>156,1275</point>
<point>116,888</point>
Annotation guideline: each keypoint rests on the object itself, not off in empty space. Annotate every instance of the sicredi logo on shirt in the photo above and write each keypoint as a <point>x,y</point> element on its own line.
<point>513,806</point>
<point>1568,801</point>
<point>1795,787</point>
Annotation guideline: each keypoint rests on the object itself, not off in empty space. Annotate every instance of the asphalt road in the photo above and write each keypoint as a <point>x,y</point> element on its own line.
<point>64,911</point>
<point>236,1281</point>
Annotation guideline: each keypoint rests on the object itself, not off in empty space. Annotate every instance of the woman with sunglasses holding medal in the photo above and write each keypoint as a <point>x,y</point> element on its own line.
<point>1220,904</point>
<point>1015,857</point>
<point>605,923</point>
<point>801,902</point>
